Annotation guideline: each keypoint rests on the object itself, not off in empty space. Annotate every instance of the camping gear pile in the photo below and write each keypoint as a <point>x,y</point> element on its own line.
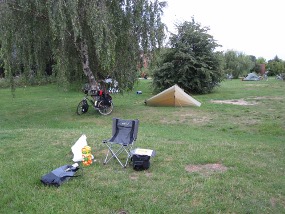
<point>124,135</point>
<point>81,153</point>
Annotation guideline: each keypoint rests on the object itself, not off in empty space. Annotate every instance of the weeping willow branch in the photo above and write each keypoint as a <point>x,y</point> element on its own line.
<point>17,7</point>
<point>91,37</point>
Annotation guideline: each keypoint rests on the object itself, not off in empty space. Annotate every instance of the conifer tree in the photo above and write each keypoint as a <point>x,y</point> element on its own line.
<point>190,61</point>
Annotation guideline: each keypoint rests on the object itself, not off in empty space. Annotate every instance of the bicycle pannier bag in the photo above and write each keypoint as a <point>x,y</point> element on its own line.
<point>85,106</point>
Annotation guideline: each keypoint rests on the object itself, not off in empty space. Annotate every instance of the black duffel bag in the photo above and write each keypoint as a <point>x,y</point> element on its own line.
<point>140,162</point>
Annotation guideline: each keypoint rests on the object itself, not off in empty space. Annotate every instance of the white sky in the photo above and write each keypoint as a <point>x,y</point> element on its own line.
<point>254,27</point>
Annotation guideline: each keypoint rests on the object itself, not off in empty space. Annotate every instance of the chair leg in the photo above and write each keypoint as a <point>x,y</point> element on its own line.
<point>113,155</point>
<point>116,154</point>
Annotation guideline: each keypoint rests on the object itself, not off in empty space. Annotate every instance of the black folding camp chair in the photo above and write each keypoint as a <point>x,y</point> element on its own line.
<point>124,135</point>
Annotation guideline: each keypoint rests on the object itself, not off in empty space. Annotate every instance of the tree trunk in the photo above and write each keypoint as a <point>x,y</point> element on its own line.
<point>85,64</point>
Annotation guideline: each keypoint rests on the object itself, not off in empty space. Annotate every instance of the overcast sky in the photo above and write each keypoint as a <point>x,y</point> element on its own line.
<point>254,27</point>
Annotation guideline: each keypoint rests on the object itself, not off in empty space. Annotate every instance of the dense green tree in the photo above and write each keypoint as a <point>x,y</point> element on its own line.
<point>231,62</point>
<point>276,66</point>
<point>261,60</point>
<point>245,64</point>
<point>257,63</point>
<point>190,61</point>
<point>1,63</point>
<point>91,37</point>
<point>237,63</point>
<point>253,58</point>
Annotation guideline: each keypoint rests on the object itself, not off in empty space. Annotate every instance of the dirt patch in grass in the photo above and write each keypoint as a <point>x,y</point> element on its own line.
<point>135,176</point>
<point>277,201</point>
<point>268,98</point>
<point>206,169</point>
<point>257,85</point>
<point>122,212</point>
<point>240,102</point>
<point>187,115</point>
<point>243,102</point>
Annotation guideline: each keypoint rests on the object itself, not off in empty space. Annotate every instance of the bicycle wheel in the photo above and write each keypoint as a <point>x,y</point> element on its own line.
<point>105,109</point>
<point>82,107</point>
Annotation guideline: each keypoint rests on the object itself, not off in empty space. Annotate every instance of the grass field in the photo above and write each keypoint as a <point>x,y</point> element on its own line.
<point>217,158</point>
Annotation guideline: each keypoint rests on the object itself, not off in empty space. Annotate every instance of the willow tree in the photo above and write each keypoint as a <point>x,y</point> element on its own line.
<point>91,37</point>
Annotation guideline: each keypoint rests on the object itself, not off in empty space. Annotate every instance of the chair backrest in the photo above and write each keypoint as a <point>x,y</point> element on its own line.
<point>124,131</point>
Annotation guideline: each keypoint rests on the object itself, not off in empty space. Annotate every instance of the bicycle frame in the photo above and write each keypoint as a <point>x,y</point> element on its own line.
<point>101,101</point>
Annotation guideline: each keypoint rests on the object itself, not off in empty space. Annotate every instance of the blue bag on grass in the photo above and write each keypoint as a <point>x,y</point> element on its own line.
<point>60,175</point>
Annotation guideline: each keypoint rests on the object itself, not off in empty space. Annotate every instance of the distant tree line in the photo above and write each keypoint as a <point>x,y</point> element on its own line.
<point>90,39</point>
<point>191,61</point>
<point>239,64</point>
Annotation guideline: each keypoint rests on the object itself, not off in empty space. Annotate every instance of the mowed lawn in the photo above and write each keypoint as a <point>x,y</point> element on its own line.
<point>227,156</point>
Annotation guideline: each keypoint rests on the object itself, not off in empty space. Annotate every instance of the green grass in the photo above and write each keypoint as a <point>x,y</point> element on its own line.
<point>39,126</point>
